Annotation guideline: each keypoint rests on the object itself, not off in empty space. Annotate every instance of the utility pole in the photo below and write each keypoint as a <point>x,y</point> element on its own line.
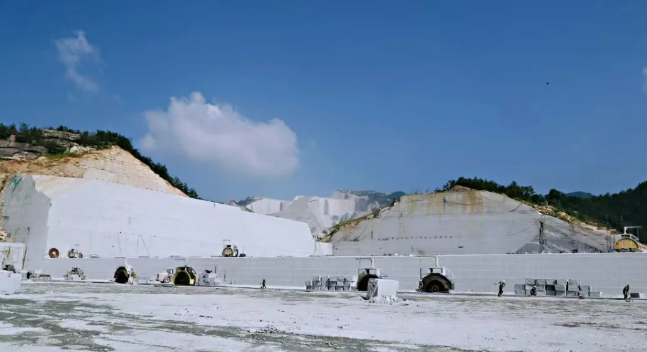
<point>541,237</point>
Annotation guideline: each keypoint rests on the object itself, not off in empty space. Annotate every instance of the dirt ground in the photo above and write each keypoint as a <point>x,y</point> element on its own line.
<point>48,317</point>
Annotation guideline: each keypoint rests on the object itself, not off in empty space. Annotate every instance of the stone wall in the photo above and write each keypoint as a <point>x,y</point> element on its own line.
<point>608,272</point>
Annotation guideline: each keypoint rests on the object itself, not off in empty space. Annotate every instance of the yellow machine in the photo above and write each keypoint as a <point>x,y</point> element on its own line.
<point>230,250</point>
<point>125,274</point>
<point>185,276</point>
<point>626,245</point>
<point>626,242</point>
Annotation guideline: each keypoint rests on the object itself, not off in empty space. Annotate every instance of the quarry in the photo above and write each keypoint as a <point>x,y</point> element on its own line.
<point>127,262</point>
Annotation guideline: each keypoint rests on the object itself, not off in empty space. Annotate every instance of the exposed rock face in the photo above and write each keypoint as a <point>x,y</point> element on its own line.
<point>62,139</point>
<point>113,165</point>
<point>319,213</point>
<point>461,221</point>
<point>10,149</point>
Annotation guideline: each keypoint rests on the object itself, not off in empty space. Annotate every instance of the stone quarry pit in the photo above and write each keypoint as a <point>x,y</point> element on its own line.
<point>52,317</point>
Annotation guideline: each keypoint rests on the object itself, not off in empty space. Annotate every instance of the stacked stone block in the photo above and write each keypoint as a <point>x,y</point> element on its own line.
<point>555,288</point>
<point>335,283</point>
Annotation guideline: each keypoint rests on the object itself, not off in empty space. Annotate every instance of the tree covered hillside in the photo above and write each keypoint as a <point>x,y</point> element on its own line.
<point>99,139</point>
<point>627,208</point>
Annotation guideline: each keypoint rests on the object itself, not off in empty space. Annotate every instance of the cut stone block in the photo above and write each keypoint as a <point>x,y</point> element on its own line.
<point>530,281</point>
<point>540,282</point>
<point>541,287</point>
<point>550,288</point>
<point>634,295</point>
<point>529,287</point>
<point>560,287</point>
<point>550,293</point>
<point>572,282</point>
<point>560,283</point>
<point>585,288</point>
<point>520,289</point>
<point>541,293</point>
<point>560,293</point>
<point>572,294</point>
<point>594,294</point>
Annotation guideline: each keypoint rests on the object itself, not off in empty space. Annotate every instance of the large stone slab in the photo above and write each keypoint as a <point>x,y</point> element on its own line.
<point>9,282</point>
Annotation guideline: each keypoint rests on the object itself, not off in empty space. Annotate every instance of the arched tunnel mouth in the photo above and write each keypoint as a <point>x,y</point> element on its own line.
<point>121,275</point>
<point>362,284</point>
<point>182,278</point>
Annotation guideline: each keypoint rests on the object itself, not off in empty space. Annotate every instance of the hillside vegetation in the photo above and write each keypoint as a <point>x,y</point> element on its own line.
<point>626,208</point>
<point>100,140</point>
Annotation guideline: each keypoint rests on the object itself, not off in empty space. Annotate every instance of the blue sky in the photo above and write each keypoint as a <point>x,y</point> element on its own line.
<point>302,97</point>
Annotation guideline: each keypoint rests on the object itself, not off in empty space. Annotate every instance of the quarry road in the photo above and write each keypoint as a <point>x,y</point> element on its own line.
<point>48,317</point>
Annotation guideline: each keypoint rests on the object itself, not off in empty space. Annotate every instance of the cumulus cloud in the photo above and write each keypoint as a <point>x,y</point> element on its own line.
<point>219,135</point>
<point>71,51</point>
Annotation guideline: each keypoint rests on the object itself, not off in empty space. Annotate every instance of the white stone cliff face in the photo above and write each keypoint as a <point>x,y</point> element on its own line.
<point>111,220</point>
<point>318,212</point>
<point>465,222</point>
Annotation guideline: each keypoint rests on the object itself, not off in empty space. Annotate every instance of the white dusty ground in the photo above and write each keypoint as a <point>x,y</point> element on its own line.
<point>51,317</point>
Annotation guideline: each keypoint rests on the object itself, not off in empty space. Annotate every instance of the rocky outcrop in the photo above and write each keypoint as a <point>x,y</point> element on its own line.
<point>10,149</point>
<point>112,164</point>
<point>61,139</point>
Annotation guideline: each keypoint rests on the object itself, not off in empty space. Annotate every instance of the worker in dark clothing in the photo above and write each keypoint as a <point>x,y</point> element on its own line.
<point>263,284</point>
<point>533,291</point>
<point>501,286</point>
<point>625,292</point>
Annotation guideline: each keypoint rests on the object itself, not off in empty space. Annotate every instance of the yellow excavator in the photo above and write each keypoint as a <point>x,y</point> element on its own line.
<point>185,276</point>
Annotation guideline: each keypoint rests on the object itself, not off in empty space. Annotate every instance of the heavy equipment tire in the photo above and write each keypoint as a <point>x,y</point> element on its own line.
<point>362,284</point>
<point>121,275</point>
<point>182,278</point>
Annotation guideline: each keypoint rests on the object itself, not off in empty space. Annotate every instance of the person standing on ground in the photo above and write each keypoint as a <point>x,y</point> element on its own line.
<point>625,292</point>
<point>501,286</point>
<point>263,284</point>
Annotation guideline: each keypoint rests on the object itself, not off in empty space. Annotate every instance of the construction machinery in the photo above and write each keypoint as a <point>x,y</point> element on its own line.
<point>625,242</point>
<point>185,276</point>
<point>230,250</point>
<point>435,280</point>
<point>165,277</point>
<point>76,274</point>
<point>74,252</point>
<point>209,278</point>
<point>364,274</point>
<point>125,274</point>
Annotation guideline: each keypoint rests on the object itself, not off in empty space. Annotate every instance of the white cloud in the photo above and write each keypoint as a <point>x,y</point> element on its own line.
<point>71,51</point>
<point>219,135</point>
